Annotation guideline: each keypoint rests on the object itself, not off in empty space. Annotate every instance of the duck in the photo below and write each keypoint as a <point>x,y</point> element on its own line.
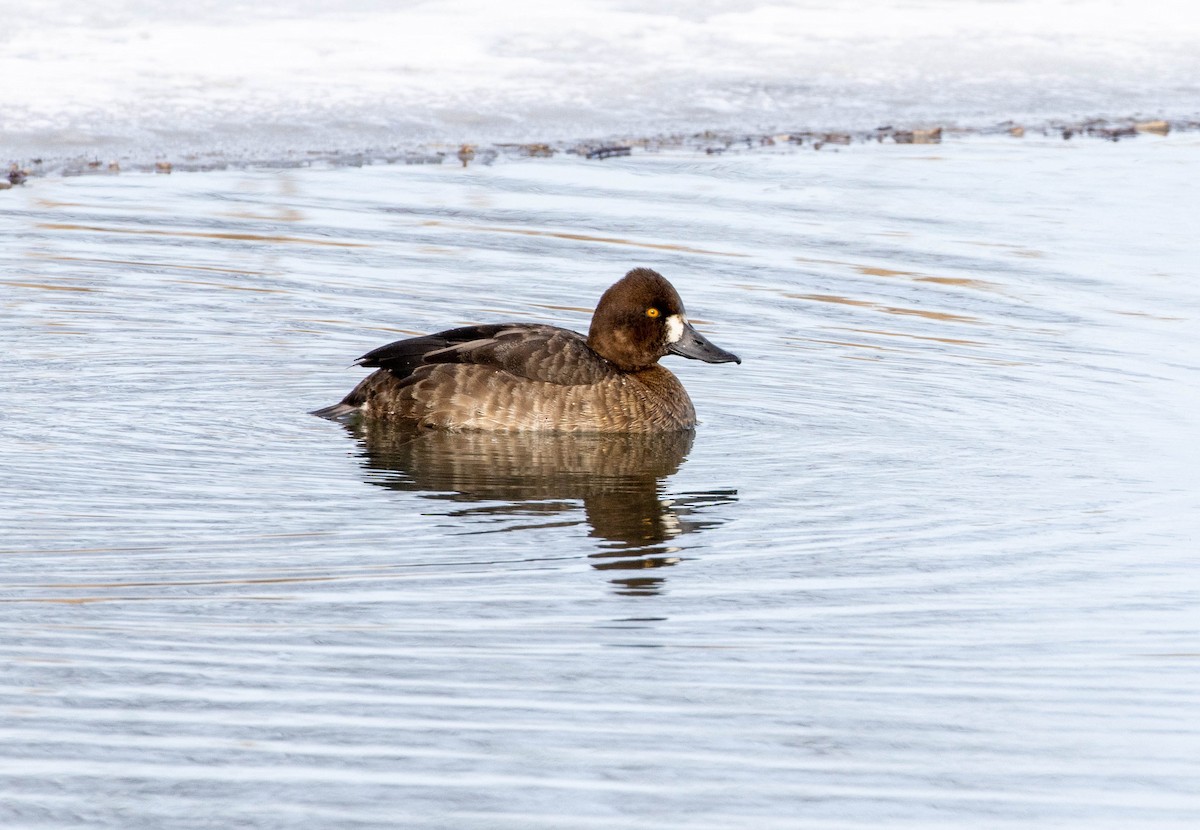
<point>533,377</point>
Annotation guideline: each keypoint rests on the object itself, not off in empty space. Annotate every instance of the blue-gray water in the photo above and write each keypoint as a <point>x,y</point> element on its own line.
<point>929,560</point>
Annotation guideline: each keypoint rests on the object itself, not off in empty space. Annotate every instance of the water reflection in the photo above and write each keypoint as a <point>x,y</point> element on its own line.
<point>540,480</point>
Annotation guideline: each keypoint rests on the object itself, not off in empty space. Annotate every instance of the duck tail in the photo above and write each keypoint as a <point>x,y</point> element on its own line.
<point>353,402</point>
<point>339,410</point>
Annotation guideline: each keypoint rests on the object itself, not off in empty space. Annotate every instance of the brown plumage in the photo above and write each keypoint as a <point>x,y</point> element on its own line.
<point>523,376</point>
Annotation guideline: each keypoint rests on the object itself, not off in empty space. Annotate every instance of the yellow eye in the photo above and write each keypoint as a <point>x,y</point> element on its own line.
<point>652,312</point>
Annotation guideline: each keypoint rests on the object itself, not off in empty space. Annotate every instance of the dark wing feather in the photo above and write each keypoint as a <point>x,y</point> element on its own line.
<point>536,352</point>
<point>403,357</point>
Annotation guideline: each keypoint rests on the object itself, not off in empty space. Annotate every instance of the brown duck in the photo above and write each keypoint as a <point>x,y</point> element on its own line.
<point>511,377</point>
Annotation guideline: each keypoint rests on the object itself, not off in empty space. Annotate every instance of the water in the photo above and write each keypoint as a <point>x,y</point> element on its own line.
<point>929,560</point>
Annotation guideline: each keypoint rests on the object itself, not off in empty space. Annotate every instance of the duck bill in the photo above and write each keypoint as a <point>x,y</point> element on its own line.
<point>695,345</point>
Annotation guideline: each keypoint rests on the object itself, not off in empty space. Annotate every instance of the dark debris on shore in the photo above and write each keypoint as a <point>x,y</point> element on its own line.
<point>707,142</point>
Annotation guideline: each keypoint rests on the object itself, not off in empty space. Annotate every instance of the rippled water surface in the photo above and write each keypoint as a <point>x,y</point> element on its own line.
<point>928,560</point>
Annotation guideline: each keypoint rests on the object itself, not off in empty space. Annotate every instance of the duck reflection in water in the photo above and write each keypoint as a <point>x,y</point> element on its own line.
<point>618,478</point>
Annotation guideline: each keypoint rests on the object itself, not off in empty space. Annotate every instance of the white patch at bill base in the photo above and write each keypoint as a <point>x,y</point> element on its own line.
<point>675,328</point>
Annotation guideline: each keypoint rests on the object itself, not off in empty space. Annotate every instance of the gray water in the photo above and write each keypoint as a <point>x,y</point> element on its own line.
<point>929,559</point>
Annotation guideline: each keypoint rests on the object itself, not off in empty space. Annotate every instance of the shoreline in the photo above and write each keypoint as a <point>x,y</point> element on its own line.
<point>707,142</point>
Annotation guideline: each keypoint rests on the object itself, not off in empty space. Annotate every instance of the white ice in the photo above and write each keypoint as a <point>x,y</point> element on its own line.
<point>151,77</point>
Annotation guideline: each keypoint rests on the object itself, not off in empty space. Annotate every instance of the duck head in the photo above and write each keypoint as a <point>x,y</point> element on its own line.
<point>640,319</point>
